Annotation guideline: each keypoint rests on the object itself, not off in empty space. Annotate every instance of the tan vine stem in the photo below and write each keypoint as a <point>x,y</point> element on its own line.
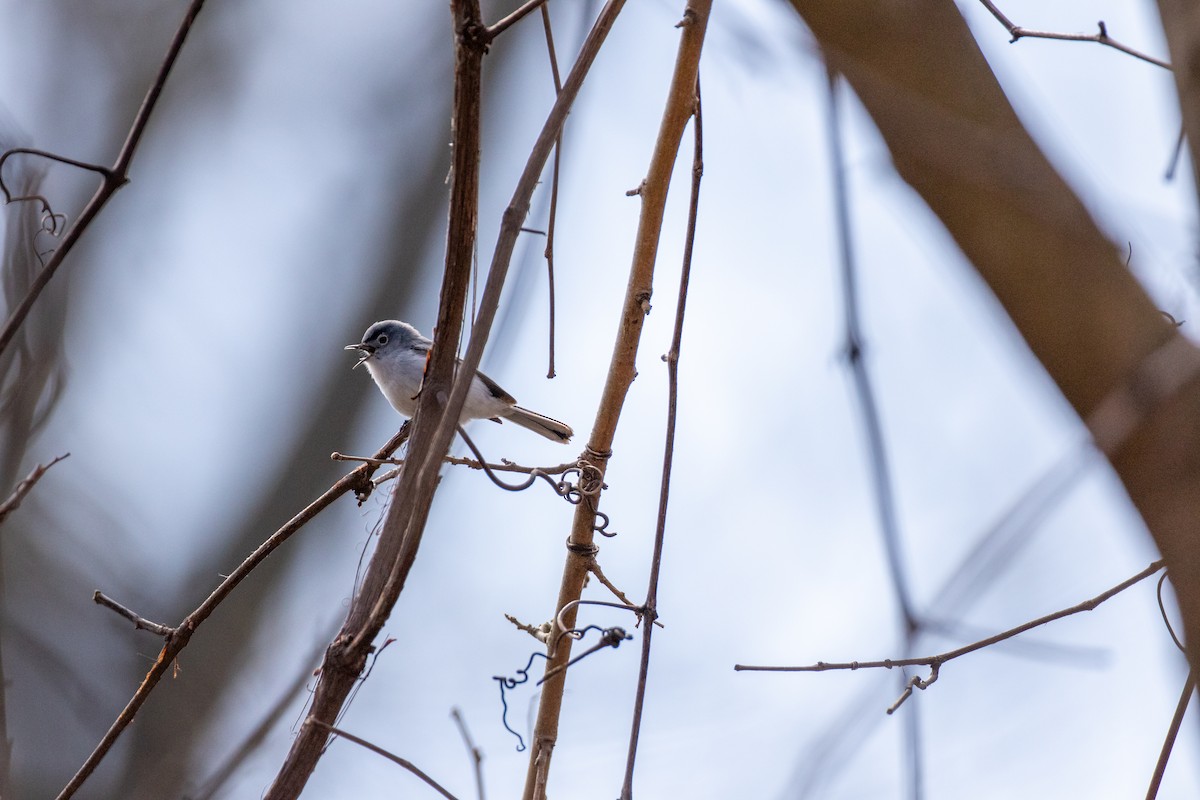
<point>622,368</point>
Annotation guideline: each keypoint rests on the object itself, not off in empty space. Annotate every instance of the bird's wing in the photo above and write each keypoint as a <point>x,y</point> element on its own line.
<point>495,389</point>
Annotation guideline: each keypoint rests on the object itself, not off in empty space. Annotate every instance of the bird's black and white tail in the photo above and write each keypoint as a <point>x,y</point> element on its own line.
<point>550,428</point>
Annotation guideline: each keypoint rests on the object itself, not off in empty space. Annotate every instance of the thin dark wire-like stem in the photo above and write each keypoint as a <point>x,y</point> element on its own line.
<point>1160,767</point>
<point>549,252</point>
<point>374,748</point>
<point>113,179</point>
<point>650,607</point>
<point>358,479</point>
<point>881,480</point>
<point>1100,37</point>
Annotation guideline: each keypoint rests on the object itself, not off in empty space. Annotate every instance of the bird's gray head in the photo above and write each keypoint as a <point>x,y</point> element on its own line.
<point>385,338</point>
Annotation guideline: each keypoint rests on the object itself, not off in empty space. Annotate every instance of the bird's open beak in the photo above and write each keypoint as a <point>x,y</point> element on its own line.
<point>365,351</point>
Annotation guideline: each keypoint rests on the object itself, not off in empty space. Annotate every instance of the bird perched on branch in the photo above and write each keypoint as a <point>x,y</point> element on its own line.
<point>395,354</point>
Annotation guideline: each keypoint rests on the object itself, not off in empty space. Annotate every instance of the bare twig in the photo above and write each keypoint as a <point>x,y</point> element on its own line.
<point>1160,767</point>
<point>513,18</point>
<point>550,224</point>
<point>934,662</point>
<point>114,178</point>
<point>179,637</point>
<point>139,622</point>
<point>24,487</point>
<point>404,762</point>
<point>1100,37</point>
<point>650,608</point>
<point>540,632</point>
<point>622,368</point>
<point>475,752</point>
<point>594,568</point>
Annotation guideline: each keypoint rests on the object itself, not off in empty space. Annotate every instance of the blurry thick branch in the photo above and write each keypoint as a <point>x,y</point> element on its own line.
<point>177,638</point>
<point>436,418</point>
<point>955,138</point>
<point>680,104</point>
<point>113,178</point>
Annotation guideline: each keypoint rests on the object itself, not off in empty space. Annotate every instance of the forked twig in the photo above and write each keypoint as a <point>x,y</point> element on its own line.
<point>934,662</point>
<point>1100,37</point>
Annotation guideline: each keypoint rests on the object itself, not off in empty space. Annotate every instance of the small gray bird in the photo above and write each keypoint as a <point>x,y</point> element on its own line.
<point>395,354</point>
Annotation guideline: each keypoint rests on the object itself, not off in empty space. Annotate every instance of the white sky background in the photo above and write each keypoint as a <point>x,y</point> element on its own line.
<point>244,262</point>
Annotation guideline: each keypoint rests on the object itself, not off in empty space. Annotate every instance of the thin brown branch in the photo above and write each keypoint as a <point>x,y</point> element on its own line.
<point>1100,37</point>
<point>934,662</point>
<point>113,179</point>
<point>650,607</point>
<point>25,487</point>
<point>677,111</point>
<point>594,568</point>
<point>404,762</point>
<point>475,753</point>
<point>358,480</point>
<point>1160,767</point>
<point>550,224</point>
<point>139,622</point>
<point>513,18</point>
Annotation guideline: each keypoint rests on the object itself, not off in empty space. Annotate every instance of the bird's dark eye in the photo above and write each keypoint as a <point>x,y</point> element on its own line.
<point>382,338</point>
